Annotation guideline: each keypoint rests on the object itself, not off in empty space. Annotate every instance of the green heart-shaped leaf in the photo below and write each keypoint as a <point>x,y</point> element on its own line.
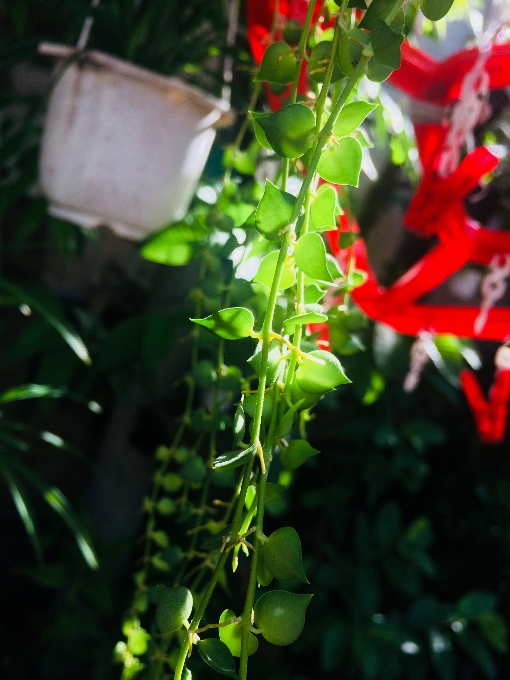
<point>285,424</point>
<point>435,9</point>
<point>273,212</point>
<point>264,576</point>
<point>313,293</point>
<point>318,378</point>
<point>217,655</point>
<point>340,163</point>
<point>301,319</point>
<point>267,269</point>
<point>250,403</point>
<point>310,255</point>
<point>377,72</point>
<point>379,9</point>
<point>292,31</point>
<point>282,555</point>
<point>233,459</point>
<point>304,399</point>
<point>273,361</point>
<point>231,635</point>
<point>278,65</point>
<point>324,210</point>
<point>319,60</point>
<point>232,323</point>
<point>280,616</point>
<point>289,130</point>
<point>351,116</point>
<point>350,48</point>
<point>386,44</point>
<point>296,453</point>
<point>173,608</point>
<point>260,135</point>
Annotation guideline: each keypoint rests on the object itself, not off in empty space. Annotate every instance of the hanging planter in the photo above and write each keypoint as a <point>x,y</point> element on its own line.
<point>123,146</point>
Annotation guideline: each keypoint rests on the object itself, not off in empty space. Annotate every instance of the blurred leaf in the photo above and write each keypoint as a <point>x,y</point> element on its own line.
<point>49,310</point>
<point>22,503</point>
<point>476,603</point>
<point>388,522</point>
<point>59,503</point>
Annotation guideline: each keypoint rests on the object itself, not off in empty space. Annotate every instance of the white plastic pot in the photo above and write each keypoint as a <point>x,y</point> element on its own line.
<point>123,146</point>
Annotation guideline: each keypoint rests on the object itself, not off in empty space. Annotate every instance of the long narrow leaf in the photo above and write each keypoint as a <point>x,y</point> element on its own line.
<point>36,391</point>
<point>22,503</point>
<point>59,503</point>
<point>49,437</point>
<point>46,308</point>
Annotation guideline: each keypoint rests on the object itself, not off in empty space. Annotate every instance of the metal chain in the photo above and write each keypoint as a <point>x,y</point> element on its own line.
<point>493,287</point>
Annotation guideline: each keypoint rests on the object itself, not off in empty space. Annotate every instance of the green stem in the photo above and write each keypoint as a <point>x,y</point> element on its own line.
<point>252,583</point>
<point>324,134</point>
<point>301,49</point>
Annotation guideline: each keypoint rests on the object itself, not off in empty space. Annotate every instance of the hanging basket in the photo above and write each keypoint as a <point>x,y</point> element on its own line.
<point>123,146</point>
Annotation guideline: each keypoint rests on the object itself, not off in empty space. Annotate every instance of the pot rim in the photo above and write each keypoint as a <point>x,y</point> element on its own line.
<point>206,101</point>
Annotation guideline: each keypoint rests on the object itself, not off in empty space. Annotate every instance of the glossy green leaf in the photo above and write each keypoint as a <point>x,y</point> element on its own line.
<point>267,269</point>
<point>378,9</point>
<point>250,401</point>
<point>234,459</point>
<point>340,163</point>
<point>264,576</point>
<point>377,72</point>
<point>260,135</point>
<point>351,117</point>
<point>280,616</point>
<point>282,555</point>
<point>232,323</point>
<point>289,130</point>
<point>350,48</point>
<point>273,212</point>
<point>386,44</point>
<point>239,424</point>
<point>299,396</point>
<point>319,60</point>
<point>278,65</point>
<point>173,608</point>
<point>314,293</point>
<point>231,635</point>
<point>217,655</point>
<point>435,9</point>
<point>273,361</point>
<point>324,209</point>
<point>285,424</point>
<point>318,378</point>
<point>49,310</point>
<point>296,453</point>
<point>310,255</point>
<point>301,319</point>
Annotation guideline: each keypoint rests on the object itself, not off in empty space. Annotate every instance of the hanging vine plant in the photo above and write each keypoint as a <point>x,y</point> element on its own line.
<point>255,410</point>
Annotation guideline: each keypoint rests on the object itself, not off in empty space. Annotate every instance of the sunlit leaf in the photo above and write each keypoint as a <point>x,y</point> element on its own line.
<point>267,269</point>
<point>233,459</point>
<point>351,117</point>
<point>289,130</point>
<point>232,323</point>
<point>274,212</point>
<point>340,163</point>
<point>310,254</point>
<point>324,209</point>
